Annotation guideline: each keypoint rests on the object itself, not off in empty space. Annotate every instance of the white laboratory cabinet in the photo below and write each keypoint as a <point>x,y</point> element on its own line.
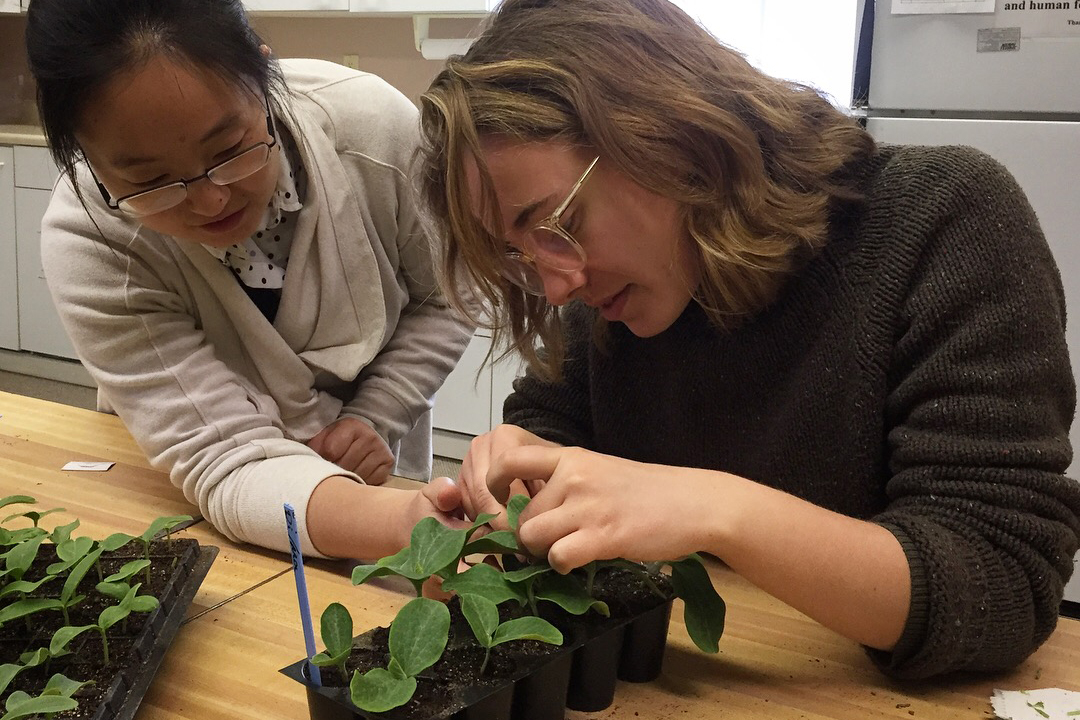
<point>39,327</point>
<point>9,284</point>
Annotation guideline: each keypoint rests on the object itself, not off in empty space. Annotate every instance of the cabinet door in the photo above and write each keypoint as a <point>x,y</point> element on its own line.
<point>422,6</point>
<point>295,5</point>
<point>9,284</point>
<point>40,328</point>
<point>463,403</point>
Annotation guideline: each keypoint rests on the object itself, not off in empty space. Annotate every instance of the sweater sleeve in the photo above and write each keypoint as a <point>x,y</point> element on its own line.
<point>559,411</point>
<point>138,337</point>
<point>980,403</point>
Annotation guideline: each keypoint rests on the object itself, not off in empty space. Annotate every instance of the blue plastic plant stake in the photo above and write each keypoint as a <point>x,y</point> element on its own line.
<point>301,593</point>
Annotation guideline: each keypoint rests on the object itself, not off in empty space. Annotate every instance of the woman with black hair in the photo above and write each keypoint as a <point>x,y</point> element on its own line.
<point>235,253</point>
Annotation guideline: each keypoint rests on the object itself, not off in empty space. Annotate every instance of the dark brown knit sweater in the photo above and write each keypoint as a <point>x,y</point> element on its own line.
<point>914,374</point>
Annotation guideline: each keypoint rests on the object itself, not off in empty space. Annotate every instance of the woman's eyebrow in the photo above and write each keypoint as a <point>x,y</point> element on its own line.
<point>124,162</point>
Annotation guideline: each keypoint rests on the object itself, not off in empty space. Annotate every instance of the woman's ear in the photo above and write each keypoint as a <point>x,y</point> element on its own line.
<point>265,50</point>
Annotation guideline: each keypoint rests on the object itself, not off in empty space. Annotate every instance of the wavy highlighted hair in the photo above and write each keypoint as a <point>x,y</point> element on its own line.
<point>756,164</point>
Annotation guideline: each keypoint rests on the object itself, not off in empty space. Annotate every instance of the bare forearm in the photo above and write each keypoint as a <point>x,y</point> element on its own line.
<point>850,575</point>
<point>348,519</point>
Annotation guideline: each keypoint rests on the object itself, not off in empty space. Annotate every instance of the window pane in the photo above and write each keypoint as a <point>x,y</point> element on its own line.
<point>811,42</point>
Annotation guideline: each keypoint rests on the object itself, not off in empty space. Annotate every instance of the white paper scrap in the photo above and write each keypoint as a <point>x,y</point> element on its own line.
<point>88,466</point>
<point>1044,704</point>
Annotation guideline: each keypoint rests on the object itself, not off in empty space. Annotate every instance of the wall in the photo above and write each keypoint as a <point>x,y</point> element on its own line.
<point>384,45</point>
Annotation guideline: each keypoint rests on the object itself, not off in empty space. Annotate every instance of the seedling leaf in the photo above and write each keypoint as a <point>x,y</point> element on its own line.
<point>483,617</point>
<point>16,499</point>
<point>128,570</point>
<point>527,628</point>
<point>514,508</point>
<point>500,541</point>
<point>38,706</point>
<point>162,523</point>
<point>63,637</point>
<point>26,607</point>
<point>116,541</point>
<point>418,634</point>
<point>487,582</point>
<point>569,593</point>
<point>378,690</point>
<point>336,628</point>
<point>63,686</point>
<point>704,610</point>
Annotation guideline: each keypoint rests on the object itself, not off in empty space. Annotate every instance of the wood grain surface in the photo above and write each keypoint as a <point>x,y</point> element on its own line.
<point>243,626</point>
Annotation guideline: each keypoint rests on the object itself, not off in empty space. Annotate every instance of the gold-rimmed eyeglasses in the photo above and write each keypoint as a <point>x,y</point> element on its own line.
<point>243,164</point>
<point>548,244</point>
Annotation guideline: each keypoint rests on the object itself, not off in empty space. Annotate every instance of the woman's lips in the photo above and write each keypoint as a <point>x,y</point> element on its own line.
<point>612,309</point>
<point>225,224</point>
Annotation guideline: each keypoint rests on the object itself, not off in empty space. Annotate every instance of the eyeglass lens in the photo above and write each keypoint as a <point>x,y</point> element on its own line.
<point>232,170</point>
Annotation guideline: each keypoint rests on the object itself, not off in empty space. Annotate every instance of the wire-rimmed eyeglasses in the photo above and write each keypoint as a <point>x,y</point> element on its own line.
<point>243,164</point>
<point>548,244</point>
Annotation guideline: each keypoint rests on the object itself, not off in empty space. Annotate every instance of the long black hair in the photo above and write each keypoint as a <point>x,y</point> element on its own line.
<point>75,47</point>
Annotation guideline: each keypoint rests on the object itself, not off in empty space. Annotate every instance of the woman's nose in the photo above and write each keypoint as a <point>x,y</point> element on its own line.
<point>206,198</point>
<point>560,285</point>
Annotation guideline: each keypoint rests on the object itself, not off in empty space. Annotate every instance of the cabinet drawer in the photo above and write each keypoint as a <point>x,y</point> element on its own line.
<point>34,168</point>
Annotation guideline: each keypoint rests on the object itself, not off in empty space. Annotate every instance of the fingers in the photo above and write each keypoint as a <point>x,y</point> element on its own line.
<point>528,462</point>
<point>573,551</point>
<point>338,440</point>
<point>317,443</point>
<point>374,466</point>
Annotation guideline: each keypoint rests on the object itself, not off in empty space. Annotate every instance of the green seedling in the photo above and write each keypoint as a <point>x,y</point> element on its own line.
<point>62,533</point>
<point>131,602</point>
<point>17,500</point>
<point>483,617</point>
<point>58,645</point>
<point>24,587</point>
<point>26,608</point>
<point>486,581</point>
<point>336,628</point>
<point>20,705</point>
<point>162,524</point>
<point>32,515</point>
<point>69,552</point>
<point>434,549</point>
<point>418,637</point>
<point>115,586</point>
<point>27,660</point>
<point>69,598</point>
<point>18,559</point>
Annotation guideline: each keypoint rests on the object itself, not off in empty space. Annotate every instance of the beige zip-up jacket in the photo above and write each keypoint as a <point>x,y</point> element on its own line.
<point>211,390</point>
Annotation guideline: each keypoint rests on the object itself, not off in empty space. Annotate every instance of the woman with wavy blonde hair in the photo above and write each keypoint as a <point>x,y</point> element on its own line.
<point>839,367</point>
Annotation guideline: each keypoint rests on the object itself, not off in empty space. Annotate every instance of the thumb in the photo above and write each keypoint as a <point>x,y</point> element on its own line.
<point>444,494</point>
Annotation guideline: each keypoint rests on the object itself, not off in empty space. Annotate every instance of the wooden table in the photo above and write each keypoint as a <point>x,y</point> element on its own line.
<point>242,627</point>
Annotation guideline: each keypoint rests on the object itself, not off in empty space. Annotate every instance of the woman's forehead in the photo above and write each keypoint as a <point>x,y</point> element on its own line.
<point>158,105</point>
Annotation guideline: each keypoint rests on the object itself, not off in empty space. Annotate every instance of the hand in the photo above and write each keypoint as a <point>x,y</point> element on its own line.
<point>354,445</point>
<point>476,499</point>
<point>440,499</point>
<point>598,507</point>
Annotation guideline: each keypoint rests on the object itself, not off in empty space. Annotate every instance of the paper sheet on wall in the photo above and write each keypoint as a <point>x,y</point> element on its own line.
<point>941,7</point>
<point>1040,18</point>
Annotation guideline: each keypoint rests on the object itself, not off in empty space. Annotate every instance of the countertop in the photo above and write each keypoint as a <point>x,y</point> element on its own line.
<point>22,135</point>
